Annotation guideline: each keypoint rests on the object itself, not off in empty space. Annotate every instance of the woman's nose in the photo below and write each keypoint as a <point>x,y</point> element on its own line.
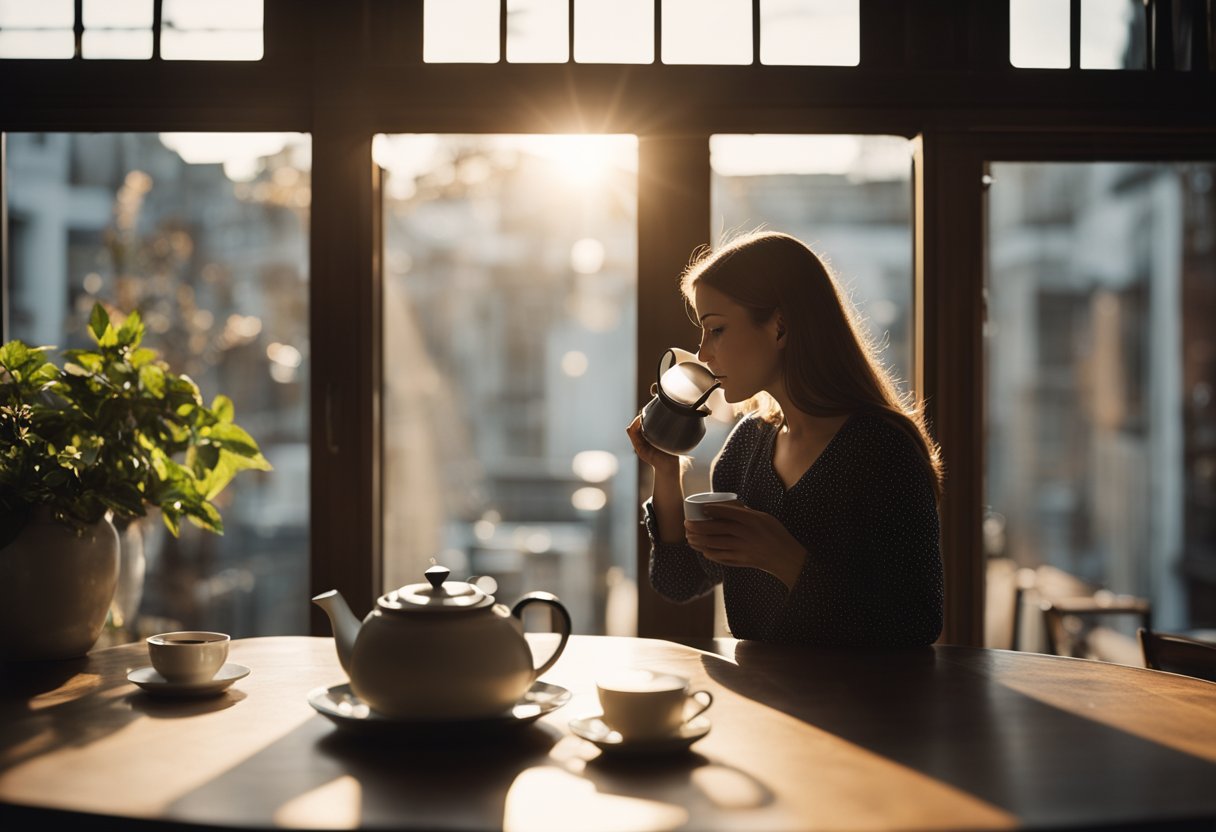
<point>703,354</point>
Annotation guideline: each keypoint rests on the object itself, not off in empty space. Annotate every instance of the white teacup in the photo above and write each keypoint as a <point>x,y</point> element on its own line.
<point>694,504</point>
<point>188,656</point>
<point>644,705</point>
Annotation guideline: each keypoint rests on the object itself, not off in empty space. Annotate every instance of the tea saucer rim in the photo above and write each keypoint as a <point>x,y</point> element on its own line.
<point>320,698</point>
<point>148,678</point>
<point>690,732</point>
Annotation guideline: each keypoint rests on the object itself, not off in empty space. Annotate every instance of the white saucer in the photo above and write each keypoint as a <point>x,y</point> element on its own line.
<point>593,729</point>
<point>151,681</point>
<point>346,710</point>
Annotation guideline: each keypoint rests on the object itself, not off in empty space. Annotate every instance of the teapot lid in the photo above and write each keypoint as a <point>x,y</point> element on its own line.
<point>437,595</point>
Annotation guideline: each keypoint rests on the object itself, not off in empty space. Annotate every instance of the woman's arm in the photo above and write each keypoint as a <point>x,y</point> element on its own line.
<point>677,571</point>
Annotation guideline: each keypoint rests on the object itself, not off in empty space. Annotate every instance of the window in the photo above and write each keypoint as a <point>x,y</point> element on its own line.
<point>206,235</point>
<point>1100,355</point>
<point>214,30</point>
<point>509,329</point>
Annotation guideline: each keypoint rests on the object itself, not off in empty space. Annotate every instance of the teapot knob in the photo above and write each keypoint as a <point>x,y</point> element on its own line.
<point>437,575</point>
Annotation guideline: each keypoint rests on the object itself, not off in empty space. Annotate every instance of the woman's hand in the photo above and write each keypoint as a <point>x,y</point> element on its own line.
<point>660,461</point>
<point>739,536</point>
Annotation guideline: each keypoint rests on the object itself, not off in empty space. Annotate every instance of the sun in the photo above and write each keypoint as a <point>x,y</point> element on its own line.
<point>581,161</point>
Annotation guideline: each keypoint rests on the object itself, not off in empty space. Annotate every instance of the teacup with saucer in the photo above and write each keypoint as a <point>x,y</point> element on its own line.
<point>644,712</point>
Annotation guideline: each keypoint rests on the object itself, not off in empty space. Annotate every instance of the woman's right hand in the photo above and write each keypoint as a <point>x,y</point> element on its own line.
<point>660,461</point>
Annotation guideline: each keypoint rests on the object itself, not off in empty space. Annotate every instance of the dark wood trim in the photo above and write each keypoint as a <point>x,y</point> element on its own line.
<point>948,274</point>
<point>344,324</point>
<point>673,220</point>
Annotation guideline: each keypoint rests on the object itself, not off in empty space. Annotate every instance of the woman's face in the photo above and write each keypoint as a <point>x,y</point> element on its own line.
<point>745,356</point>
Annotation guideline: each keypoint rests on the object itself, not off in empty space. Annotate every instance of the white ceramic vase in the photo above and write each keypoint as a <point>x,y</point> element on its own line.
<point>58,587</point>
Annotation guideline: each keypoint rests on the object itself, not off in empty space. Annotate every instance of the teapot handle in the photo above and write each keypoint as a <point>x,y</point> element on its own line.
<point>563,619</point>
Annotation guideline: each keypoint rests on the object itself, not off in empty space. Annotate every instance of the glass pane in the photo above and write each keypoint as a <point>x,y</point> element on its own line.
<point>509,335</point>
<point>116,44</point>
<point>1113,34</point>
<point>538,31</point>
<point>44,14</point>
<point>810,32</point>
<point>614,31</point>
<point>1038,33</point>
<point>206,235</point>
<point>212,30</point>
<point>1101,366</point>
<point>460,31</point>
<point>707,32</point>
<point>117,14</point>
<point>37,44</point>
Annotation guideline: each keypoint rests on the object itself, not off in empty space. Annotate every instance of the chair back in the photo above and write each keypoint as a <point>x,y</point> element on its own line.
<point>1174,653</point>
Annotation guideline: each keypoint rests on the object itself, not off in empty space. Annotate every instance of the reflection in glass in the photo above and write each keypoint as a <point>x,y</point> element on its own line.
<point>707,32</point>
<point>810,32</point>
<point>218,270</point>
<point>509,334</point>
<point>1101,362</point>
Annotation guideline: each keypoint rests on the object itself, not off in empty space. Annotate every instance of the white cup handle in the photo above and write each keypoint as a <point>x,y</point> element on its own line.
<point>704,703</point>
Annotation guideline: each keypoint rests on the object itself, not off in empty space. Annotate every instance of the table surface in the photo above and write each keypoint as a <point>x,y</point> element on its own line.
<point>940,737</point>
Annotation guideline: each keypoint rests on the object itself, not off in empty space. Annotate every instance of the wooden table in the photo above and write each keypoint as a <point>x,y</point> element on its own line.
<point>942,737</point>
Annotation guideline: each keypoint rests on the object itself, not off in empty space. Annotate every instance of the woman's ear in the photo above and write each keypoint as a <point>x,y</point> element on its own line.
<point>780,329</point>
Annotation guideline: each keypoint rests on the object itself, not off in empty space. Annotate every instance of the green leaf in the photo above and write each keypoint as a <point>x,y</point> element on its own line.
<point>86,358</point>
<point>131,332</point>
<point>99,322</point>
<point>109,338</point>
<point>171,522</point>
<point>234,438</point>
<point>138,358</point>
<point>223,408</point>
<point>152,378</point>
<point>13,355</point>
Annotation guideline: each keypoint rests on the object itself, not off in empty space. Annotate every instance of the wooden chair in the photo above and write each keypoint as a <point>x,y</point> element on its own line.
<point>1072,610</point>
<point>1174,653</point>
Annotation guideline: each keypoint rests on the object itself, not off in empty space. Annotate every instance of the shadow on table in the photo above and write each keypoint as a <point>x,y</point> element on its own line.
<point>46,706</point>
<point>944,717</point>
<point>324,777</point>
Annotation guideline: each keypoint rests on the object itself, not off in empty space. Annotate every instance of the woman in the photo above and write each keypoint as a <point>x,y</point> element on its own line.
<point>835,539</point>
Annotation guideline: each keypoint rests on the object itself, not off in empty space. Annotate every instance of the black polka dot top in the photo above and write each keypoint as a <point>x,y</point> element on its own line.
<point>866,514</point>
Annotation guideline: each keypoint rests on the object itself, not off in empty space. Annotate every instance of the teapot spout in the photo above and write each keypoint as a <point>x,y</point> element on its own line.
<point>344,623</point>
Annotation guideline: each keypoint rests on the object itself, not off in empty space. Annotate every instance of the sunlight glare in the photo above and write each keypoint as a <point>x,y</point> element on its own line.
<point>240,153</point>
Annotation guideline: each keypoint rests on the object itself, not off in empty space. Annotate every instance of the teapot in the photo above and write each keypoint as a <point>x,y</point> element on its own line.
<point>440,650</point>
<point>674,420</point>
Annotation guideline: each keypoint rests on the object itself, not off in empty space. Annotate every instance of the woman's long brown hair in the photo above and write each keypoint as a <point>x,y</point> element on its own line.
<point>832,367</point>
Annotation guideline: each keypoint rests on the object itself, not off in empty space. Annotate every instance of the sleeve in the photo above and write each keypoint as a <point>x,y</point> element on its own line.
<point>677,571</point>
<point>883,587</point>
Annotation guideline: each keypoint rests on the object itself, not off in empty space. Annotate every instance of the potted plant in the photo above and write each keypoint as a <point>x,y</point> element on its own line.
<point>108,435</point>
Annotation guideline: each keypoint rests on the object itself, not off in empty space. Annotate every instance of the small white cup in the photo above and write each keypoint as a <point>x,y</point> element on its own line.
<point>644,705</point>
<point>188,656</point>
<point>694,504</point>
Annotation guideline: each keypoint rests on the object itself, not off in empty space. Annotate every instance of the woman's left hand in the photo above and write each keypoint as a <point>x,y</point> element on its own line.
<point>739,536</point>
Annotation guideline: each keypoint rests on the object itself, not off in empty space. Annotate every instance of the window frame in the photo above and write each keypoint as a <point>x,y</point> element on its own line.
<point>343,73</point>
